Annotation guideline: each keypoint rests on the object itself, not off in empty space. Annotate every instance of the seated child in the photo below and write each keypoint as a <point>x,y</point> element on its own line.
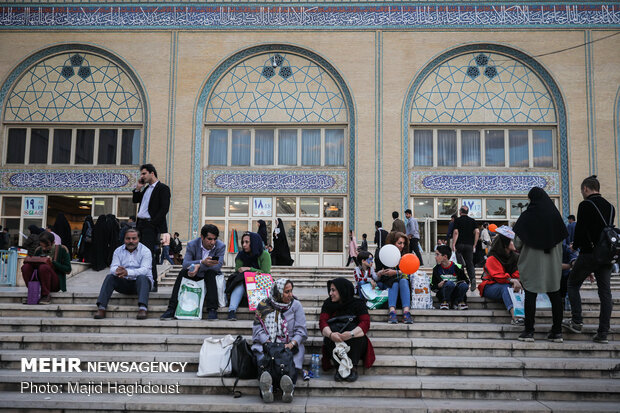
<point>449,280</point>
<point>364,272</point>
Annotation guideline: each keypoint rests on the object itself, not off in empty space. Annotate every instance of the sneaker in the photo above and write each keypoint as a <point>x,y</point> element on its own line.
<point>572,326</point>
<point>517,321</point>
<point>266,387</point>
<point>168,315</point>
<point>45,300</point>
<point>232,315</point>
<point>600,338</point>
<point>391,319</point>
<point>407,319</point>
<point>444,306</point>
<point>286,384</point>
<point>527,336</point>
<point>555,337</point>
<point>463,306</point>
<point>338,377</point>
<point>212,314</point>
<point>308,375</point>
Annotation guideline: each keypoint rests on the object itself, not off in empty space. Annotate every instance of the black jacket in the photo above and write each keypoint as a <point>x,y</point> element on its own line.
<point>159,204</point>
<point>589,223</point>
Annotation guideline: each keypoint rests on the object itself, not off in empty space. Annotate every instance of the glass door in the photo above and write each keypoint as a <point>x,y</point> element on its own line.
<point>428,240</point>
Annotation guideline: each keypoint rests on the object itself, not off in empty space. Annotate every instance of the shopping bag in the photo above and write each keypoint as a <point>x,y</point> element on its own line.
<point>518,301</point>
<point>221,290</point>
<point>258,286</point>
<point>34,288</point>
<point>420,291</point>
<point>375,298</point>
<point>214,357</point>
<point>191,297</point>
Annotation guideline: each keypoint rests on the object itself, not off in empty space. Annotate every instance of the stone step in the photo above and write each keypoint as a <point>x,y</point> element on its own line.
<point>434,387</point>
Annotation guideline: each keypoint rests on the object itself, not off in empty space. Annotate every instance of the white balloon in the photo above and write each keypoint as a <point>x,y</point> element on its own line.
<point>389,255</point>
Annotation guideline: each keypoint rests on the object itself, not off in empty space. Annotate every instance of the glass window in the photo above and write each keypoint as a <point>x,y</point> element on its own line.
<point>107,147</point>
<point>311,147</point>
<point>11,206</point>
<point>543,148</point>
<point>290,227</point>
<point>309,207</point>
<point>308,236</point>
<point>126,207</point>
<point>103,206</point>
<point>494,148</point>
<point>446,148</point>
<point>221,226</point>
<point>85,145</point>
<point>517,206</point>
<point>263,147</point>
<point>332,207</point>
<point>333,236</point>
<point>470,148</point>
<point>240,227</point>
<point>334,147</point>
<point>496,208</point>
<point>216,207</point>
<point>39,142</point>
<point>15,237</point>
<point>238,206</point>
<point>287,147</point>
<point>268,223</point>
<point>241,139</point>
<point>286,207</point>
<point>518,148</point>
<point>16,146</point>
<point>130,147</point>
<point>423,208</point>
<point>61,148</point>
<point>423,147</point>
<point>447,206</point>
<point>218,147</point>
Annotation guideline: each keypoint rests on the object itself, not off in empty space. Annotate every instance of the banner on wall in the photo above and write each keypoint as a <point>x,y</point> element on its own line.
<point>33,206</point>
<point>475,207</point>
<point>262,207</point>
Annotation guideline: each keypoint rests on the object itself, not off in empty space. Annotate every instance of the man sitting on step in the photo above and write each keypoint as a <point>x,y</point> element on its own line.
<point>130,273</point>
<point>203,259</point>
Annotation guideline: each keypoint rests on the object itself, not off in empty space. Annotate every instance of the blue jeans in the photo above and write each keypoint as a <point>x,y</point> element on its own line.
<point>452,292</point>
<point>401,287</point>
<point>498,292</point>
<point>235,297</point>
<point>165,255</point>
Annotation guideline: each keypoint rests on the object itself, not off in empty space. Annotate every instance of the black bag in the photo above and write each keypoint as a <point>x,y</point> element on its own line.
<point>342,323</point>
<point>243,364</point>
<point>278,361</point>
<point>607,249</point>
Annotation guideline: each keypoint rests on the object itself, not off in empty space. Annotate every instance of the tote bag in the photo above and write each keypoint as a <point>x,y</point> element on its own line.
<point>518,300</point>
<point>215,356</point>
<point>34,288</point>
<point>191,297</point>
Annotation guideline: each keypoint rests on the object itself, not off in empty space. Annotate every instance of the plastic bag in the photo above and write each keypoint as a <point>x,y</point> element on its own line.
<point>420,291</point>
<point>518,300</point>
<point>215,356</point>
<point>375,298</point>
<point>191,297</point>
<point>221,290</point>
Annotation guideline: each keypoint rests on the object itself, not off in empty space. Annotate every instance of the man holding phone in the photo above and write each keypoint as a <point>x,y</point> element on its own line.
<point>203,259</point>
<point>154,199</point>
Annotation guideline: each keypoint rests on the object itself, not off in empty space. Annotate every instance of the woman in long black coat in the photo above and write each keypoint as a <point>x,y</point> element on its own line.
<point>281,254</point>
<point>100,244</point>
<point>63,229</point>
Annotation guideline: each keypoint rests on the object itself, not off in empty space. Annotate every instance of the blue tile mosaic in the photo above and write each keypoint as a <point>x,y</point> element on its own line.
<point>294,182</point>
<point>62,180</point>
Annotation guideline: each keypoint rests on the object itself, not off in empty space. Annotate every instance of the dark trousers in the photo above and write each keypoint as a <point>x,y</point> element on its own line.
<point>46,275</point>
<point>378,264</point>
<point>467,253</point>
<point>583,267</point>
<point>415,248</point>
<point>210,284</point>
<point>351,258</point>
<point>557,309</point>
<point>149,236</point>
<point>358,345</point>
<point>140,286</point>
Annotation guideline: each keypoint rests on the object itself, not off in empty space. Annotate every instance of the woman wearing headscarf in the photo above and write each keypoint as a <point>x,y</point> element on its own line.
<point>63,229</point>
<point>501,271</point>
<point>341,302</point>
<point>262,231</point>
<point>113,229</point>
<point>100,244</point>
<point>32,242</point>
<point>397,283</point>
<point>86,239</point>
<point>540,231</point>
<point>352,249</point>
<point>281,254</point>
<point>252,258</point>
<point>280,319</point>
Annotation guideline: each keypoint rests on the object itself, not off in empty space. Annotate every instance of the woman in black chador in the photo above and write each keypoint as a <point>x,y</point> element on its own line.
<point>100,244</point>
<point>281,254</point>
<point>63,230</point>
<point>86,240</point>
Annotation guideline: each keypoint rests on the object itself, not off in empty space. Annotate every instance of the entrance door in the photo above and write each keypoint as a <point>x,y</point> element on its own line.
<point>428,239</point>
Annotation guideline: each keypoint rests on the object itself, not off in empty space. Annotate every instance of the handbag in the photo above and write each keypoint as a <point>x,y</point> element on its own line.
<point>34,288</point>
<point>34,260</point>
<point>215,356</point>
<point>342,323</point>
<point>278,361</point>
<point>242,363</point>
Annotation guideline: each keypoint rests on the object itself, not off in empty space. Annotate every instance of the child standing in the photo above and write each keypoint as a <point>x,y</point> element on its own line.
<point>449,280</point>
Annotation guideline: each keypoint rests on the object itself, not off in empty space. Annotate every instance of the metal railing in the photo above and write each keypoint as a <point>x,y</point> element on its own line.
<point>8,266</point>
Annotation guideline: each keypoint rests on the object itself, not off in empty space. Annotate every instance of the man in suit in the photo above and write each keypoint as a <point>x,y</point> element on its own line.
<point>154,199</point>
<point>380,237</point>
<point>206,255</point>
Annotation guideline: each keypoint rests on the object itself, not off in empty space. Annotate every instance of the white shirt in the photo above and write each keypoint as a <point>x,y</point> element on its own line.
<point>205,252</point>
<point>136,263</point>
<point>143,212</point>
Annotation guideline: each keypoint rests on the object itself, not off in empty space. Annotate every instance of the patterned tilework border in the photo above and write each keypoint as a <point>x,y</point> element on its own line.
<point>200,113</point>
<point>279,182</point>
<point>62,180</point>
<point>533,64</point>
<point>483,183</point>
<point>384,16</point>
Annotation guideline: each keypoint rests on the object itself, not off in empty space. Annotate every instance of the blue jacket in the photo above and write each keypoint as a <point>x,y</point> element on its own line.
<point>193,255</point>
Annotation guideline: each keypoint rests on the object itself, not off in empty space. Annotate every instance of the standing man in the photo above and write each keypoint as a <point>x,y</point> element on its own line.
<point>154,199</point>
<point>464,239</point>
<point>570,227</point>
<point>398,224</point>
<point>165,249</point>
<point>413,233</point>
<point>380,237</point>
<point>176,247</point>
<point>594,213</point>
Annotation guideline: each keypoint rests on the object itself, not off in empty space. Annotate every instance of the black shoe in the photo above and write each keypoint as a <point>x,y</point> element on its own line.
<point>600,338</point>
<point>154,289</point>
<point>352,377</point>
<point>527,336</point>
<point>338,377</point>
<point>232,315</point>
<point>212,314</point>
<point>168,315</point>
<point>555,337</point>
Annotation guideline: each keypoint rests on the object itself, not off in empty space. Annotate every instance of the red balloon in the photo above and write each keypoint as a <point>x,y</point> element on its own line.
<point>409,263</point>
<point>492,227</point>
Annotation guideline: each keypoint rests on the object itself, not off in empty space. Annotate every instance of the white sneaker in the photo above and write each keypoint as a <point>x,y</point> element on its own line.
<point>266,387</point>
<point>287,386</point>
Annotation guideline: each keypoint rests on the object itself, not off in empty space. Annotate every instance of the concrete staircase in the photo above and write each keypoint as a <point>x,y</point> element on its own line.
<point>445,361</point>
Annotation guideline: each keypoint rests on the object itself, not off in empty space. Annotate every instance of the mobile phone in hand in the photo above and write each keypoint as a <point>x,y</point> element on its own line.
<point>214,258</point>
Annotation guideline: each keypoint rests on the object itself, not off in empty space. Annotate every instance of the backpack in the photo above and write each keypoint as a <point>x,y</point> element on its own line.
<point>607,249</point>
